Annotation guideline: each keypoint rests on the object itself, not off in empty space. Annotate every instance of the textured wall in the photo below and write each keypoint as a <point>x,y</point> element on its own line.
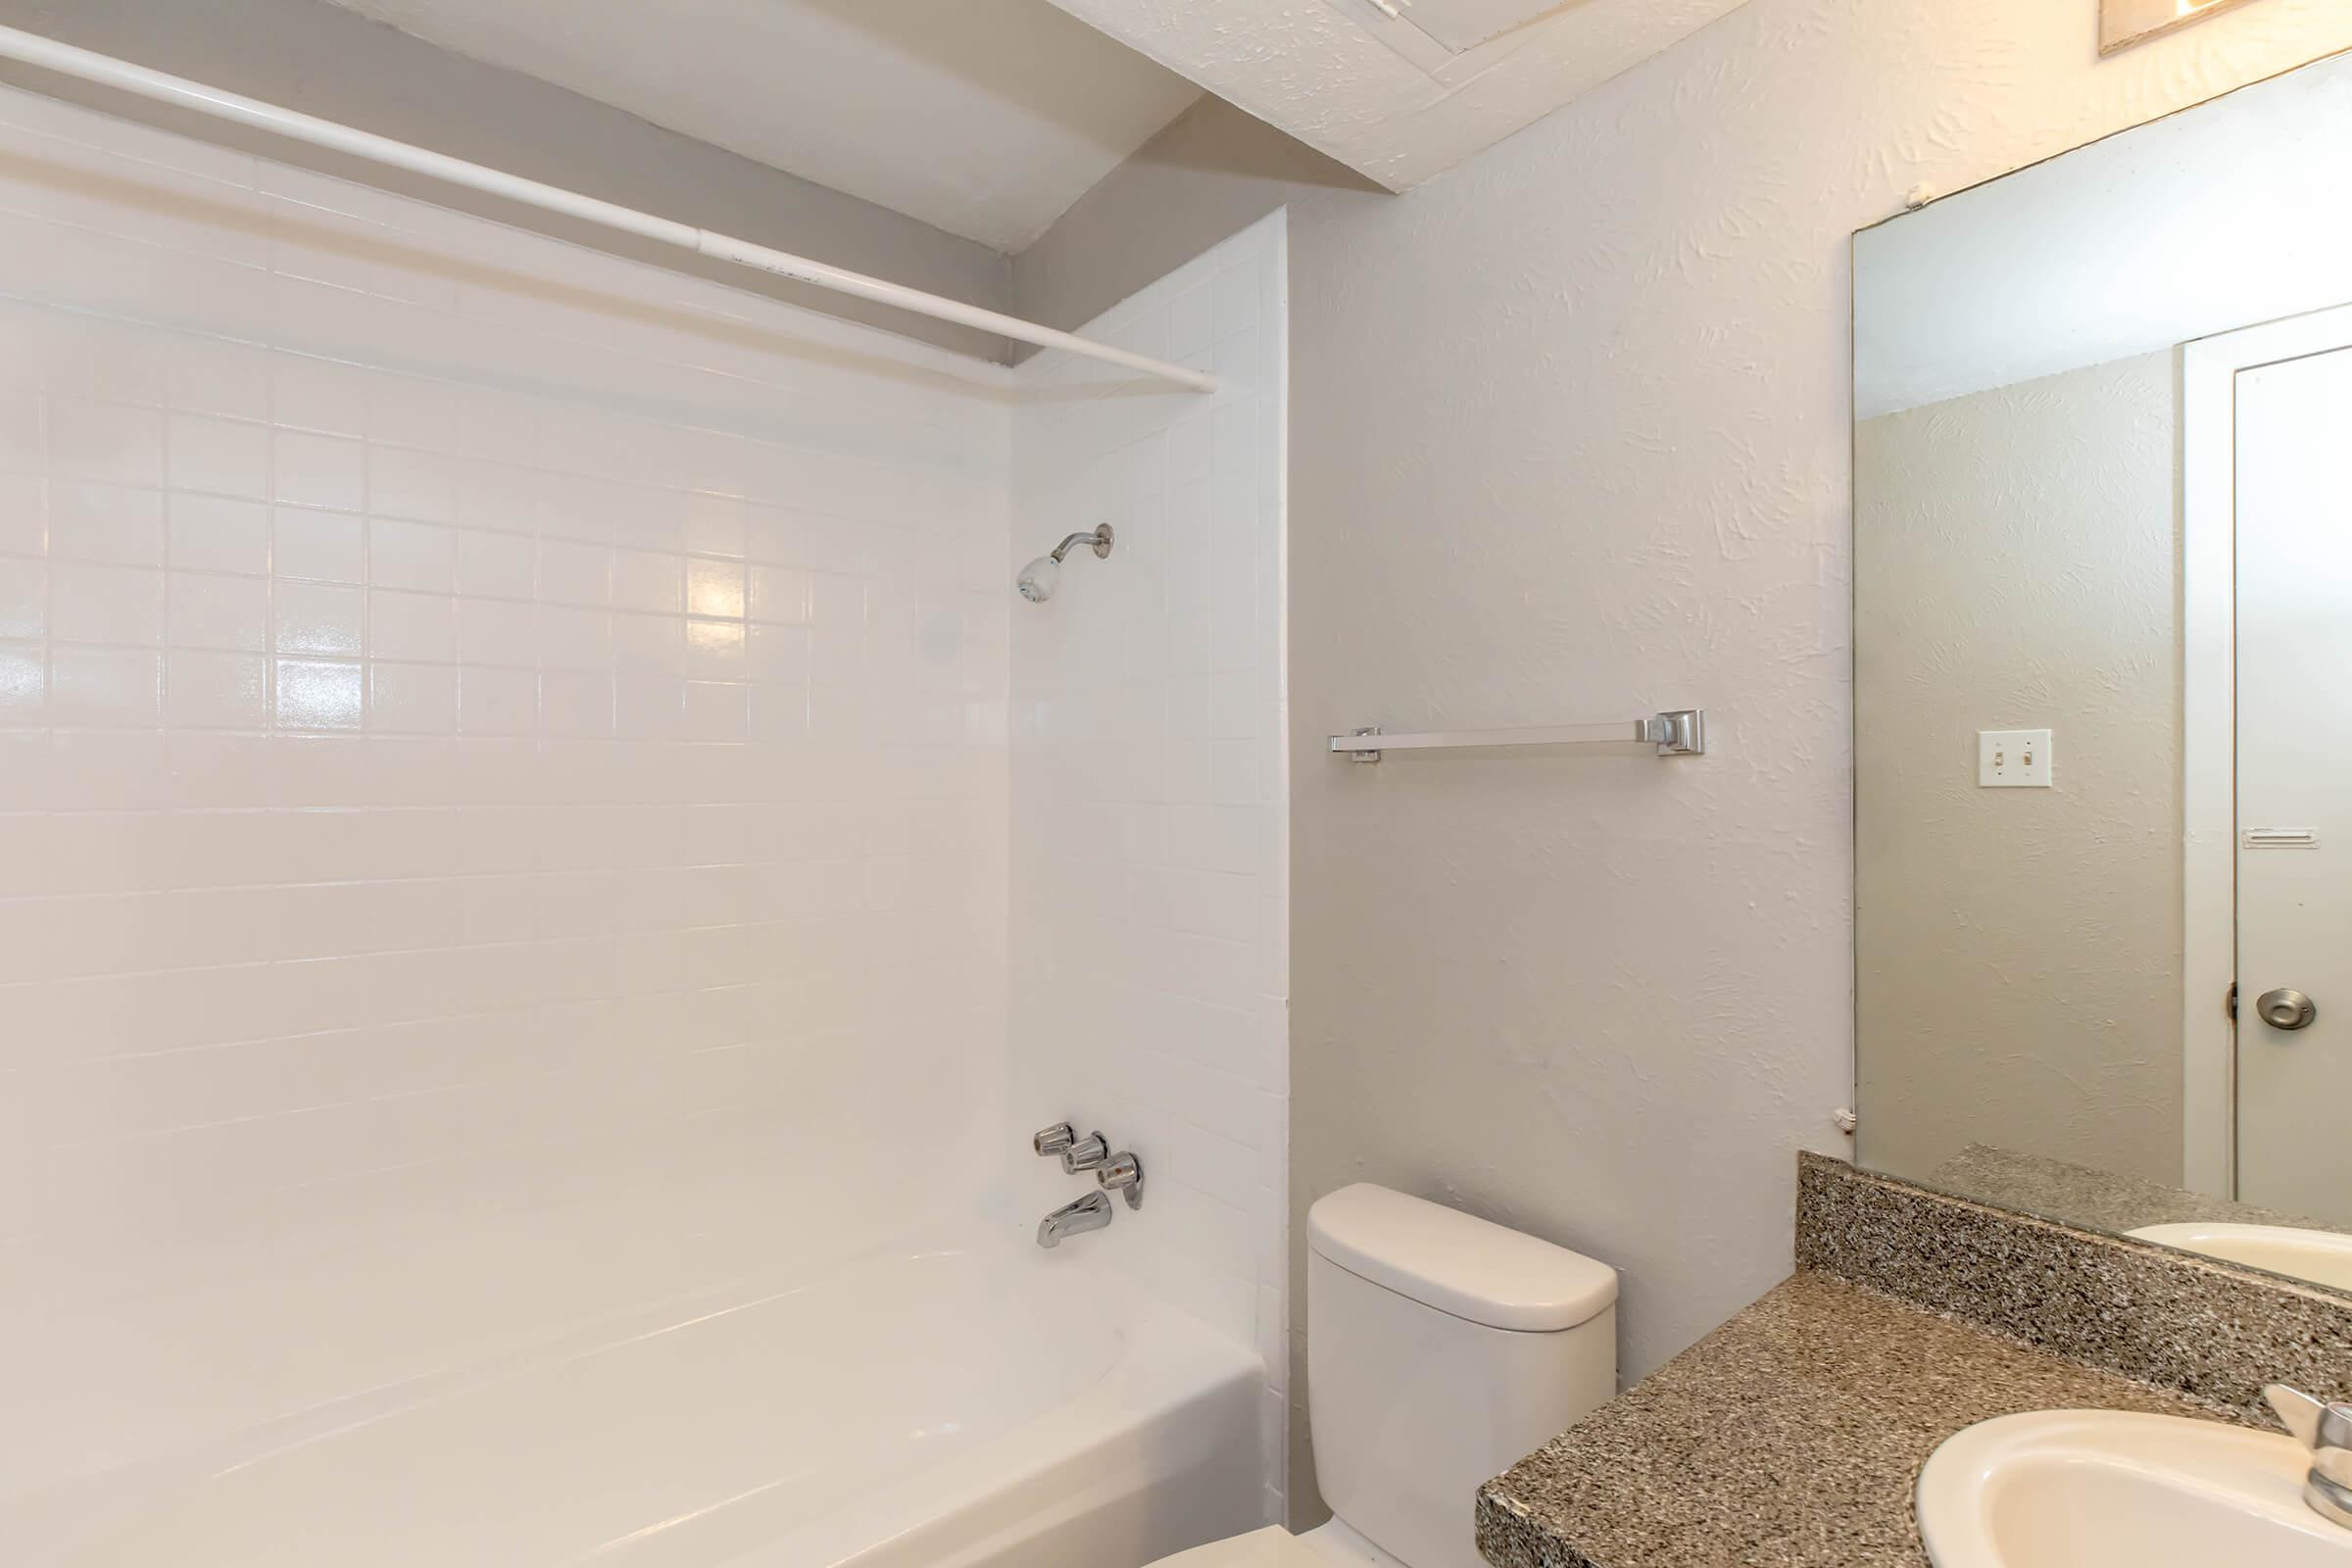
<point>313,57</point>
<point>501,754</point>
<point>1212,171</point>
<point>2018,951</point>
<point>1570,436</point>
<point>1149,857</point>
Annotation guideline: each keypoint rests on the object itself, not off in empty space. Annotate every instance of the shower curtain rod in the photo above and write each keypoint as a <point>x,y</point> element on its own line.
<point>120,74</point>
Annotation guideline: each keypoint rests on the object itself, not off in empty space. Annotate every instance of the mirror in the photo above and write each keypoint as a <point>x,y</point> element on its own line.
<point>2125,22</point>
<point>2103,683</point>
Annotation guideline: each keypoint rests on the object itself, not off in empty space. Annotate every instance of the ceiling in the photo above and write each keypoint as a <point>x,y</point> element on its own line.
<point>984,118</point>
<point>1399,90</point>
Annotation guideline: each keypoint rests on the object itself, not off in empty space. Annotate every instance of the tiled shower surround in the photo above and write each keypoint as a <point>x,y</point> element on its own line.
<point>504,792</point>
<point>1150,853</point>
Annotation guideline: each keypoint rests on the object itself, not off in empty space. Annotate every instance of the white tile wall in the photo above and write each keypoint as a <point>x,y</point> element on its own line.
<point>1150,849</point>
<point>498,748</point>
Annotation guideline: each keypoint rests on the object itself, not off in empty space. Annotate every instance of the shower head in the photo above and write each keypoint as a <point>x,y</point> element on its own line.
<point>1042,576</point>
<point>1038,579</point>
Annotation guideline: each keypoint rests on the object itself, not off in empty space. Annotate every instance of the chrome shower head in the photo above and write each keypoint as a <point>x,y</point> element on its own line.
<point>1042,576</point>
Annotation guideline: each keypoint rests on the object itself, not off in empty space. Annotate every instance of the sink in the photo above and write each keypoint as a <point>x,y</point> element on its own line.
<point>2324,1257</point>
<point>2113,1489</point>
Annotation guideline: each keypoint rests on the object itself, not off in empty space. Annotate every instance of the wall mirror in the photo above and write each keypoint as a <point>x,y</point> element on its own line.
<point>2125,22</point>
<point>2103,683</point>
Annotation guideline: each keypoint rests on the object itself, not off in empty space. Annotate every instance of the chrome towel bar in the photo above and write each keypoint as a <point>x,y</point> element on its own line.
<point>1678,732</point>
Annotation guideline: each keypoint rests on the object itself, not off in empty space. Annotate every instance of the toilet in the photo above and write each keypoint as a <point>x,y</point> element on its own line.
<point>1441,1349</point>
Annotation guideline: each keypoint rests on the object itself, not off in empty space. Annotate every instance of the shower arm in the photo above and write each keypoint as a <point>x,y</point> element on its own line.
<point>1099,538</point>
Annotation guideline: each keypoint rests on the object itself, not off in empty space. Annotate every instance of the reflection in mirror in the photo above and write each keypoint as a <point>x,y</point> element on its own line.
<point>2125,22</point>
<point>2103,683</point>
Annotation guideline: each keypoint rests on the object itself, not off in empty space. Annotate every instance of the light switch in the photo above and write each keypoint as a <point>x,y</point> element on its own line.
<point>2013,758</point>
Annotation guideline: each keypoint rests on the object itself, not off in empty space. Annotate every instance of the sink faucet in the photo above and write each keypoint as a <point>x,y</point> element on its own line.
<point>2326,1430</point>
<point>1089,1213</point>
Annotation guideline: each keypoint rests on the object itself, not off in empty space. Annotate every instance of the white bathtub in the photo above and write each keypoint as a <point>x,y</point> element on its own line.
<point>970,1407</point>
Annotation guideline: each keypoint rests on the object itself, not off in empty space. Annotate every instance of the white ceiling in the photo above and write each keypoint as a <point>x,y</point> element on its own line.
<point>1399,90</point>
<point>986,118</point>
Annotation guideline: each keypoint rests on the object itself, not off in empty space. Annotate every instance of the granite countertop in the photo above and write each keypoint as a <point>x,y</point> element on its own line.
<point>2088,1197</point>
<point>1789,1437</point>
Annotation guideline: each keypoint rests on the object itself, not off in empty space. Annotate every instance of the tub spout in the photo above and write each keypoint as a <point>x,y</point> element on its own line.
<point>1089,1213</point>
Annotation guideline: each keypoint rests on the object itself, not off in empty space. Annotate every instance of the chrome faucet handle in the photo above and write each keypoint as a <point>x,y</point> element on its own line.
<point>1123,1172</point>
<point>2326,1428</point>
<point>2316,1423</point>
<point>1086,1153</point>
<point>1054,1140</point>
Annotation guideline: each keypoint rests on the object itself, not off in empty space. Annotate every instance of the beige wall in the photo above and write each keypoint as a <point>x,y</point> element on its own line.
<point>1570,436</point>
<point>2018,951</point>
<point>310,56</point>
<point>1211,172</point>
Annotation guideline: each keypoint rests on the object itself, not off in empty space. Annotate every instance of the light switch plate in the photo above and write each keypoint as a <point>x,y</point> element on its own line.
<point>2013,758</point>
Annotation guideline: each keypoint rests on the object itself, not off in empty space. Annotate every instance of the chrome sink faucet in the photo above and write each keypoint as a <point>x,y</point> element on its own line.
<point>1089,1213</point>
<point>2326,1430</point>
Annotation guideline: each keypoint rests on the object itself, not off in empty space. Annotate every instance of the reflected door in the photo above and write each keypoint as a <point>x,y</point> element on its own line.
<point>2294,785</point>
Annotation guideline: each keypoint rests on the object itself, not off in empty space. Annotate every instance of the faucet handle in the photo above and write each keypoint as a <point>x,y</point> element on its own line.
<point>2317,1424</point>
<point>1054,1140</point>
<point>2326,1430</point>
<point>1123,1172</point>
<point>1086,1153</point>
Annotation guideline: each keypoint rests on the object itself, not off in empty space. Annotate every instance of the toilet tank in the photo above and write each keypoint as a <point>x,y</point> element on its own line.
<point>1441,1349</point>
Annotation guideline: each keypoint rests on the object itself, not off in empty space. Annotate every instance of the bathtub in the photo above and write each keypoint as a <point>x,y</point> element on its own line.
<point>971,1405</point>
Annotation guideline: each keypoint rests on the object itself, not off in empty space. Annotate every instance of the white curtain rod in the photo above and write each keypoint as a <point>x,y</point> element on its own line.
<point>107,71</point>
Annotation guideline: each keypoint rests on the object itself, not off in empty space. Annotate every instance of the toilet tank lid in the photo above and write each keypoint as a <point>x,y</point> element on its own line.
<point>1456,1262</point>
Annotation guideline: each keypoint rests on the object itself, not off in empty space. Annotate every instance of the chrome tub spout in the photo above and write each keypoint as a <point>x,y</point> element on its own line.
<point>1089,1213</point>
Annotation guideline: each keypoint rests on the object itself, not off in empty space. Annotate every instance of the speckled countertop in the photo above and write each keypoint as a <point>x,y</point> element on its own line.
<point>1791,1436</point>
<point>2088,1197</point>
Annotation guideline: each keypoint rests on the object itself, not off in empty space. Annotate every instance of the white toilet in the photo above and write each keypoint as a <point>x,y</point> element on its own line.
<point>1441,1349</point>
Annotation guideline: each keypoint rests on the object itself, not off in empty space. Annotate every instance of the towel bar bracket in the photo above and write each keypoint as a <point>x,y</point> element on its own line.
<point>1680,732</point>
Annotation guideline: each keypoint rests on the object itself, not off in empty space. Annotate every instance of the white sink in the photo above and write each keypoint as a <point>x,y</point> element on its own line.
<point>2324,1257</point>
<point>2110,1489</point>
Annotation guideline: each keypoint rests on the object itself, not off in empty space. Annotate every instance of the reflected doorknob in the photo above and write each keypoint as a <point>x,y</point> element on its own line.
<point>2284,1008</point>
